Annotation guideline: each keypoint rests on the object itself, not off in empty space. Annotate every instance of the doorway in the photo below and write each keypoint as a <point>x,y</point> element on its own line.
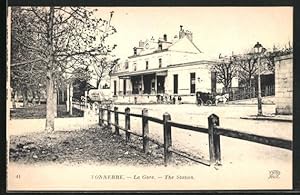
<point>175,83</point>
<point>160,84</point>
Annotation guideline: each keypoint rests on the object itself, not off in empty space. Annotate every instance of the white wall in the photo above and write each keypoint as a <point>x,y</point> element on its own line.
<point>153,61</point>
<point>202,84</point>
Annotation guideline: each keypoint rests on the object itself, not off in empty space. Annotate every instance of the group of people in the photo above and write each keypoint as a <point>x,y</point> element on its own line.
<point>168,99</point>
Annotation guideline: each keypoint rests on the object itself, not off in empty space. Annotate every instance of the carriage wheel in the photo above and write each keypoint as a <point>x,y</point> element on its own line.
<point>209,102</point>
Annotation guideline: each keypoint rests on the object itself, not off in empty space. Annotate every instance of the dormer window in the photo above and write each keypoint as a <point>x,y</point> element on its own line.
<point>147,65</point>
<point>159,63</point>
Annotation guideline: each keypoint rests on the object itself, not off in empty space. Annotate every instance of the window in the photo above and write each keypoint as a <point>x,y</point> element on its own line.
<point>126,65</point>
<point>134,66</point>
<point>147,65</point>
<point>193,82</point>
<point>159,62</point>
<point>115,88</point>
<point>175,83</point>
<point>124,86</point>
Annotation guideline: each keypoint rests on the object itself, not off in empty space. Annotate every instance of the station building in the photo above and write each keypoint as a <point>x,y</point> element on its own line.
<point>164,68</point>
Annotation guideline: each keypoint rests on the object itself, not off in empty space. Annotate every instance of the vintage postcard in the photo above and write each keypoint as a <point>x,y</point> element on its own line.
<point>149,98</point>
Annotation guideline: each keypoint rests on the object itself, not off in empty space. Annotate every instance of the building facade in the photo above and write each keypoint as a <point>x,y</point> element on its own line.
<point>163,68</point>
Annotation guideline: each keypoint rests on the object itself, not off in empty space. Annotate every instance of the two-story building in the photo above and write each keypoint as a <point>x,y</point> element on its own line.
<point>164,67</point>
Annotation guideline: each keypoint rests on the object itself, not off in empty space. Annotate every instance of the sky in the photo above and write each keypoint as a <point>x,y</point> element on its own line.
<point>215,29</point>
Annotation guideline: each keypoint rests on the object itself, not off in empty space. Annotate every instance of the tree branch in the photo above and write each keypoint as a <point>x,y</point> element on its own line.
<point>26,62</point>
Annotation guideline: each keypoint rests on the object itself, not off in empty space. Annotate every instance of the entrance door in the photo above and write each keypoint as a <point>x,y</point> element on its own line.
<point>175,83</point>
<point>160,84</point>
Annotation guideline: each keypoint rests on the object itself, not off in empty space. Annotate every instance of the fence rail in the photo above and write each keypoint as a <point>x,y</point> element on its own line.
<point>214,132</point>
<point>189,127</point>
<point>281,143</point>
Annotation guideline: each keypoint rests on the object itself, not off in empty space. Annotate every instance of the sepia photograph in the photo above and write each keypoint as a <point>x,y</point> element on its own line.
<point>149,98</point>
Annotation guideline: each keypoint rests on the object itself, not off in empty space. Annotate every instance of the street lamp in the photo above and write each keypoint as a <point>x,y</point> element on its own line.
<point>259,49</point>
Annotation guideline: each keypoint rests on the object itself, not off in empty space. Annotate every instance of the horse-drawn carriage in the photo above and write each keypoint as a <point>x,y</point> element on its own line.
<point>204,98</point>
<point>208,99</point>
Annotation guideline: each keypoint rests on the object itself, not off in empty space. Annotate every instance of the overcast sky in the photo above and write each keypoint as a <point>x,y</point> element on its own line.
<point>215,29</point>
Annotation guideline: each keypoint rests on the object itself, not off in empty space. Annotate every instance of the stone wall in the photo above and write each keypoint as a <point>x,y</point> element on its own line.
<point>284,84</point>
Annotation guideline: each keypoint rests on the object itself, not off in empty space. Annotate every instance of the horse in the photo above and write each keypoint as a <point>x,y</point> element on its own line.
<point>222,98</point>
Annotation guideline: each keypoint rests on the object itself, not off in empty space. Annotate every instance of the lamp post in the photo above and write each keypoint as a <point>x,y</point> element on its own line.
<point>259,49</point>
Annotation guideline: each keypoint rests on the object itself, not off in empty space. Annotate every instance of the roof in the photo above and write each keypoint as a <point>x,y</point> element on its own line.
<point>156,50</point>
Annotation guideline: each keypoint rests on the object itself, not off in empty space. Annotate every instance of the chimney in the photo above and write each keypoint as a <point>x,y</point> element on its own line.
<point>141,44</point>
<point>165,37</point>
<point>181,32</point>
<point>189,35</point>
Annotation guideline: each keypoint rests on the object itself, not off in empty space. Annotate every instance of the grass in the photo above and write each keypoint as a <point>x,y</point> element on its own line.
<point>85,146</point>
<point>39,111</point>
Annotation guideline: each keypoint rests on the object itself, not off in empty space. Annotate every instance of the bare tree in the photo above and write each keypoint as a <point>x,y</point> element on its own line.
<point>269,57</point>
<point>61,39</point>
<point>247,68</point>
<point>225,70</point>
<point>104,67</point>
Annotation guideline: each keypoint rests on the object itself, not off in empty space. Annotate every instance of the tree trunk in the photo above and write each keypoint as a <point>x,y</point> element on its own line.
<point>39,97</point>
<point>250,87</point>
<point>58,99</point>
<point>71,99</point>
<point>68,98</point>
<point>25,98</point>
<point>16,96</point>
<point>33,97</point>
<point>50,103</point>
<point>50,80</point>
<point>16,100</point>
<point>62,95</point>
<point>55,102</point>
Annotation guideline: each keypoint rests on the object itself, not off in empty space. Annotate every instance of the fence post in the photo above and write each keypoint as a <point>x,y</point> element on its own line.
<point>116,121</point>
<point>214,140</point>
<point>108,117</point>
<point>127,123</point>
<point>145,130</point>
<point>100,115</point>
<point>167,138</point>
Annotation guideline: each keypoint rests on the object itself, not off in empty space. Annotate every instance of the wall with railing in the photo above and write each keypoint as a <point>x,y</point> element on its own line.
<point>247,93</point>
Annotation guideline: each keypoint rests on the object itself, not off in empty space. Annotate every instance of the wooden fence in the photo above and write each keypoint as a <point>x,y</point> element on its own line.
<point>214,132</point>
